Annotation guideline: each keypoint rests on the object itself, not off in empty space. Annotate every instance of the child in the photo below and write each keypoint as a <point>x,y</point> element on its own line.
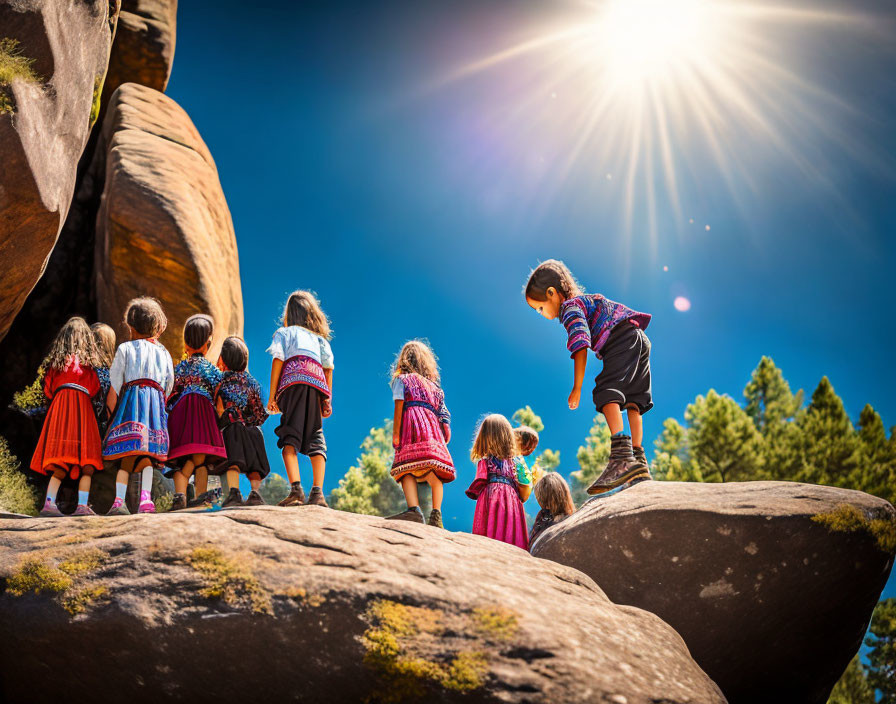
<point>616,335</point>
<point>420,431</point>
<point>499,508</point>
<point>69,443</point>
<point>552,494</point>
<point>240,413</point>
<point>195,439</point>
<point>141,376</point>
<point>526,440</point>
<point>104,336</point>
<point>301,383</point>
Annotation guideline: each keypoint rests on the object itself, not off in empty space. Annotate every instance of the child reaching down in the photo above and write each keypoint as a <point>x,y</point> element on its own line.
<point>616,335</point>
<point>301,383</point>
<point>141,377</point>
<point>69,443</point>
<point>420,431</point>
<point>241,413</point>
<point>499,508</point>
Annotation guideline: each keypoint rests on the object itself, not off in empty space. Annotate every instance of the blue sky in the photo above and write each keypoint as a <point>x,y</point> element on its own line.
<point>415,206</point>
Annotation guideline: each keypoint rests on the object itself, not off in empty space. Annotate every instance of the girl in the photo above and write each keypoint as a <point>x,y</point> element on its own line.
<point>616,335</point>
<point>552,494</point>
<point>241,413</point>
<point>526,440</point>
<point>301,389</point>
<point>141,376</point>
<point>104,336</point>
<point>69,443</point>
<point>499,508</point>
<point>195,438</point>
<point>420,431</point>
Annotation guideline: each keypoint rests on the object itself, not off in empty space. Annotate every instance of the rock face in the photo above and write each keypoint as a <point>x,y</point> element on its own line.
<point>163,228</point>
<point>143,50</point>
<point>316,605</point>
<point>45,120</point>
<point>771,584</point>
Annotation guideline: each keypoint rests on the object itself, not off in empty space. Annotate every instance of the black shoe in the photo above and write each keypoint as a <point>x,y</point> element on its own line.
<point>234,498</point>
<point>254,499</point>
<point>296,496</point>
<point>414,515</point>
<point>178,503</point>
<point>203,499</point>
<point>316,497</point>
<point>621,468</point>
<point>435,518</point>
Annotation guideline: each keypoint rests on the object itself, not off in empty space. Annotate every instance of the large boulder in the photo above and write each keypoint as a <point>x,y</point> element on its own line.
<point>771,584</point>
<point>163,227</point>
<point>143,50</point>
<point>315,605</point>
<point>60,49</point>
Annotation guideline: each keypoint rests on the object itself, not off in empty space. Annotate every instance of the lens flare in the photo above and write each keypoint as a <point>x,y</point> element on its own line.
<point>682,304</point>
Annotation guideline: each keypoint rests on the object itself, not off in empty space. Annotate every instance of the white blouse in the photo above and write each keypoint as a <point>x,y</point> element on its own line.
<point>142,359</point>
<point>294,340</point>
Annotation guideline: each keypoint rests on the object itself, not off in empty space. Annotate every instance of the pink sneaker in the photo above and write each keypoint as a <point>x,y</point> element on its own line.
<point>118,508</point>
<point>84,510</point>
<point>50,509</point>
<point>146,504</point>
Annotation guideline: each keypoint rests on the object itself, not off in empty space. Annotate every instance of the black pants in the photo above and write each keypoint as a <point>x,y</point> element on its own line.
<point>625,378</point>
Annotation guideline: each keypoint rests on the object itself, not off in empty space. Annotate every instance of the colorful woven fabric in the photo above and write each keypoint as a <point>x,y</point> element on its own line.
<point>589,318</point>
<point>194,375</point>
<point>240,394</point>
<point>422,447</point>
<point>303,370</point>
<point>499,511</point>
<point>139,426</point>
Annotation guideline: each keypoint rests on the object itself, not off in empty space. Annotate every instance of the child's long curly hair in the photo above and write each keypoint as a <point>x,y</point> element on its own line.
<point>494,438</point>
<point>104,336</point>
<point>74,346</point>
<point>417,357</point>
<point>303,309</point>
<point>551,274</point>
<point>552,493</point>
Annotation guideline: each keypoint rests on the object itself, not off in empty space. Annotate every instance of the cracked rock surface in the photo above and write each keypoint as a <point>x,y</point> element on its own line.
<point>316,605</point>
<point>771,584</point>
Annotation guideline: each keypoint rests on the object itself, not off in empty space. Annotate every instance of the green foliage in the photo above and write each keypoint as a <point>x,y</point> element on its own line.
<point>15,494</point>
<point>849,519</point>
<point>876,472</point>
<point>13,67</point>
<point>592,457</point>
<point>852,687</point>
<point>526,416</point>
<point>722,441</point>
<point>274,488</point>
<point>882,657</point>
<point>769,399</point>
<point>31,399</point>
<point>368,486</point>
<point>548,460</point>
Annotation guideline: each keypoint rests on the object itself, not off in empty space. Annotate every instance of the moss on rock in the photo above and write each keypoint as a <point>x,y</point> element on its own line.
<point>849,519</point>
<point>228,579</point>
<point>13,67</point>
<point>37,574</point>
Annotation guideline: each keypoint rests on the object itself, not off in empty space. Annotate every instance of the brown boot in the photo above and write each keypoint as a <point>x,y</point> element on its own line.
<point>414,515</point>
<point>316,497</point>
<point>621,468</point>
<point>435,518</point>
<point>641,456</point>
<point>179,502</point>
<point>234,498</point>
<point>296,496</point>
<point>254,499</point>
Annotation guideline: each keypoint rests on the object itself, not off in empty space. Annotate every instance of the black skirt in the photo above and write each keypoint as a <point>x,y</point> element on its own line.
<point>245,451</point>
<point>301,422</point>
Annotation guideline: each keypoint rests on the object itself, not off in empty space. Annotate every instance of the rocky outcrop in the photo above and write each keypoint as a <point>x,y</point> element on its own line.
<point>143,50</point>
<point>771,584</point>
<point>317,605</point>
<point>164,229</point>
<point>46,112</point>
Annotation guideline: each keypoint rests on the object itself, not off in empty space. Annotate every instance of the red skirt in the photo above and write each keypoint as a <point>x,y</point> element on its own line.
<point>70,437</point>
<point>193,429</point>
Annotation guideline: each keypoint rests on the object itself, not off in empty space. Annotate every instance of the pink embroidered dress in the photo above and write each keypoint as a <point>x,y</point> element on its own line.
<point>422,447</point>
<point>499,511</point>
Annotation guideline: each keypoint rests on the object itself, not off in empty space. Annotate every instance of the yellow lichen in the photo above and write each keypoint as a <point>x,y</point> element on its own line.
<point>77,601</point>
<point>37,575</point>
<point>83,562</point>
<point>228,579</point>
<point>495,622</point>
<point>846,518</point>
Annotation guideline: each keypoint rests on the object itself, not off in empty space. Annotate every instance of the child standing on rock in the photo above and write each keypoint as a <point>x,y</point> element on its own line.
<point>616,335</point>
<point>195,439</point>
<point>420,431</point>
<point>301,388</point>
<point>499,507</point>
<point>141,376</point>
<point>69,443</point>
<point>240,415</point>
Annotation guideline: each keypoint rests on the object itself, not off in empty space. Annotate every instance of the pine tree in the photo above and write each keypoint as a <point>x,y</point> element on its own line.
<point>828,443</point>
<point>274,488</point>
<point>592,457</point>
<point>769,399</point>
<point>852,687</point>
<point>671,461</point>
<point>882,657</point>
<point>549,459</point>
<point>15,494</point>
<point>722,440</point>
<point>876,473</point>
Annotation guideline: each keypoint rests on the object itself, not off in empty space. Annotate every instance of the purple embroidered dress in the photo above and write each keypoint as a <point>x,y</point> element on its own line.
<point>499,510</point>
<point>192,421</point>
<point>422,447</point>
<point>590,318</point>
